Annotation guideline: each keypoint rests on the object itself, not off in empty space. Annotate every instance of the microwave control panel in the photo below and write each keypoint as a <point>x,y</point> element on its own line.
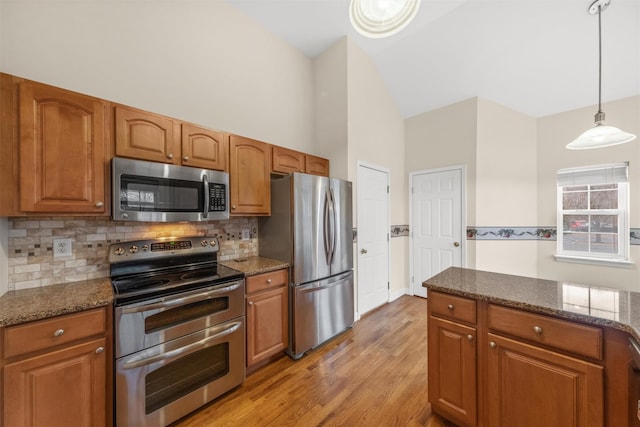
<point>217,197</point>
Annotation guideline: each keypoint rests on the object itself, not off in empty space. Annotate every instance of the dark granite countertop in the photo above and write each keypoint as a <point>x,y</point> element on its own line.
<point>255,265</point>
<point>40,303</point>
<point>597,305</point>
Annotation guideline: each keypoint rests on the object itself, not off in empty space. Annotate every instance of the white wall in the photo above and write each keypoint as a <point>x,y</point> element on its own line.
<point>446,137</point>
<point>554,133</point>
<point>506,186</point>
<point>376,136</point>
<point>203,62</point>
<point>330,98</point>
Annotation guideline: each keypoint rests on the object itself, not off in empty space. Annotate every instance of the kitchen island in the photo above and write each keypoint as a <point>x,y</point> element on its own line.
<point>507,350</point>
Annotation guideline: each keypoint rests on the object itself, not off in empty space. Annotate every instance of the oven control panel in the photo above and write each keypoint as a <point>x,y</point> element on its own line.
<point>161,247</point>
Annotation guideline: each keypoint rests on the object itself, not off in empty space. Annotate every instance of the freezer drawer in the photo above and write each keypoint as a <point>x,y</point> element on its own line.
<point>320,311</point>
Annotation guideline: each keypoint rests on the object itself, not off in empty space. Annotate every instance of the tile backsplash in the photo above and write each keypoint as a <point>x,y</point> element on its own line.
<point>31,261</point>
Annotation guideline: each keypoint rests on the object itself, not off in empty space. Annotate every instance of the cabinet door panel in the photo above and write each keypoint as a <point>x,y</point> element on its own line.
<point>452,370</point>
<point>249,176</point>
<point>534,387</point>
<point>267,333</point>
<point>146,136</point>
<point>204,148</point>
<point>316,165</point>
<point>287,161</point>
<point>62,150</point>
<point>58,389</point>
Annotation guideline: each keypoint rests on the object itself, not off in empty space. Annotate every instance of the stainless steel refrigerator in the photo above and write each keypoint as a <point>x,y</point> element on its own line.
<point>310,227</point>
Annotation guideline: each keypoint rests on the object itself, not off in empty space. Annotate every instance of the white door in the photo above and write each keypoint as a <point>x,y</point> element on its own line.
<point>373,237</point>
<point>436,224</point>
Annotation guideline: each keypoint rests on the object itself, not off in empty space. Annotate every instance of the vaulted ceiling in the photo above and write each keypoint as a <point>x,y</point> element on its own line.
<point>538,57</point>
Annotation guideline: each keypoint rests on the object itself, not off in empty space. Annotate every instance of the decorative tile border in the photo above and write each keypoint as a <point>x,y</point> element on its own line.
<point>399,230</point>
<point>511,233</point>
<point>527,233</point>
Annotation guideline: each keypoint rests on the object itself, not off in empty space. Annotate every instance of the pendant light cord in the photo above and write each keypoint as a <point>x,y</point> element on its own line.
<point>599,59</point>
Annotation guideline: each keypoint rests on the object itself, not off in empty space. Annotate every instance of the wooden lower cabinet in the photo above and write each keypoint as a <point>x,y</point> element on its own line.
<point>513,368</point>
<point>453,370</point>
<point>63,388</point>
<point>534,387</point>
<point>267,317</point>
<point>63,377</point>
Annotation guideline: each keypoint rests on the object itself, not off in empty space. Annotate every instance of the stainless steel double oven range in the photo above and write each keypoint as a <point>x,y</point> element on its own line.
<point>179,328</point>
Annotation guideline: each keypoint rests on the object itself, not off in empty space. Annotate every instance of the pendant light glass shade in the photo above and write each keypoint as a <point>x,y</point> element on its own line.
<point>600,136</point>
<point>382,18</point>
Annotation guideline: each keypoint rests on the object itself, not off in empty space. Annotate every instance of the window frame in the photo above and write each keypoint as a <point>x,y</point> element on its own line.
<point>590,176</point>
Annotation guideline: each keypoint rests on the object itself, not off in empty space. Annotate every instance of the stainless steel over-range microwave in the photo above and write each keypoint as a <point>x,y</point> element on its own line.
<point>158,192</point>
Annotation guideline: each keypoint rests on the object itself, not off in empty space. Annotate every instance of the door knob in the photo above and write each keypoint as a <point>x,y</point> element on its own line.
<point>363,251</point>
<point>456,244</point>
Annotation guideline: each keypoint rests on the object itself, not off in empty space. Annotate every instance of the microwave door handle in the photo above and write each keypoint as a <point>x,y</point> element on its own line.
<point>205,181</point>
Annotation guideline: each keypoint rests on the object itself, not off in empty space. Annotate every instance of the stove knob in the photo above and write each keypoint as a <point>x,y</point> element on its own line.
<point>213,243</point>
<point>119,251</point>
<point>133,249</point>
<point>203,243</point>
<point>145,247</point>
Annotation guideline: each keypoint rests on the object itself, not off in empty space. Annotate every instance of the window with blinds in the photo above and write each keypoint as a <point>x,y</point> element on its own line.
<point>593,211</point>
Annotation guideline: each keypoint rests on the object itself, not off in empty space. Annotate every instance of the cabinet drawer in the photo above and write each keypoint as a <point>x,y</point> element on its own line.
<point>269,280</point>
<point>453,307</point>
<point>42,334</point>
<point>562,334</point>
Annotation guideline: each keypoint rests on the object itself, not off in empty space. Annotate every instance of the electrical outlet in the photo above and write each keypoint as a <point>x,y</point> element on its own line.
<point>62,248</point>
<point>246,234</point>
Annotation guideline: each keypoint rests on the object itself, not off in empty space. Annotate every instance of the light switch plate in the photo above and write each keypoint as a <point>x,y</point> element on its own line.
<point>246,234</point>
<point>62,248</point>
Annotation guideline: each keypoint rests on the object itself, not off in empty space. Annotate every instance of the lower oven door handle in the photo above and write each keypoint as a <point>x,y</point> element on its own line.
<point>137,362</point>
<point>181,301</point>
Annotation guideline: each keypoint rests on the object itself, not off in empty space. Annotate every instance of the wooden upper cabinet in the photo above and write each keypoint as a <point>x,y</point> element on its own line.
<point>249,176</point>
<point>284,160</point>
<point>205,148</point>
<point>316,165</point>
<point>63,150</point>
<point>147,136</point>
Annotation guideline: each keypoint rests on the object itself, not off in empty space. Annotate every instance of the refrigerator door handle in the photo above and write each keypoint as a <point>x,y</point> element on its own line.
<point>326,229</point>
<point>334,220</point>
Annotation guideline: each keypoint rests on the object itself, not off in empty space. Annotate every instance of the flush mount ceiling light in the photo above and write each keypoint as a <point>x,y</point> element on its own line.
<point>600,135</point>
<point>382,18</point>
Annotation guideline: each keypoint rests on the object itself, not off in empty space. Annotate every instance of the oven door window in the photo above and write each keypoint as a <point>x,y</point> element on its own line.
<point>185,313</point>
<point>146,194</point>
<point>187,374</point>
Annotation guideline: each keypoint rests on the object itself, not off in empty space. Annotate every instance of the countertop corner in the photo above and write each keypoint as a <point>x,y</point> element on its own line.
<point>27,305</point>
<point>254,265</point>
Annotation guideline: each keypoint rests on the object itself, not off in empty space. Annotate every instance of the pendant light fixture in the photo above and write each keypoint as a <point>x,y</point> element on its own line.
<point>382,18</point>
<point>600,135</point>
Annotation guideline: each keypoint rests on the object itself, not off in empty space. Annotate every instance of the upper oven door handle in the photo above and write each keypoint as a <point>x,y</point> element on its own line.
<point>140,360</point>
<point>183,300</point>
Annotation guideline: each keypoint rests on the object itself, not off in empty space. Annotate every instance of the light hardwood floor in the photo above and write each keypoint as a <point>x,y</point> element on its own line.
<point>375,374</point>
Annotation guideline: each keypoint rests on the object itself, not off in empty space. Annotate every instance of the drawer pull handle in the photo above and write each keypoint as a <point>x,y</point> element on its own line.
<point>268,280</point>
<point>493,344</point>
<point>250,302</point>
<point>470,337</point>
<point>99,350</point>
<point>450,307</point>
<point>537,330</point>
<point>58,333</point>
